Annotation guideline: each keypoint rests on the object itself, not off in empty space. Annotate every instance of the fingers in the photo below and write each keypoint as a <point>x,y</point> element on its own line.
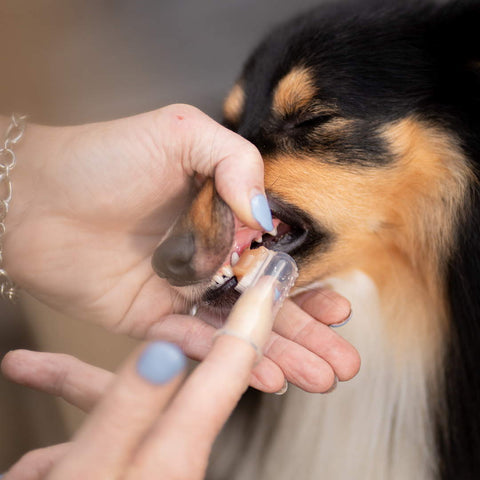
<point>307,353</point>
<point>57,374</point>
<point>194,337</point>
<point>212,150</point>
<point>193,419</point>
<point>143,388</point>
<point>36,464</point>
<point>300,366</point>
<point>267,376</point>
<point>299,327</point>
<point>325,305</point>
<point>191,334</point>
<point>210,393</point>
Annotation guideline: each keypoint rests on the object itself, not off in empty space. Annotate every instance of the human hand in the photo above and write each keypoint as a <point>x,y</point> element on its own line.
<point>145,424</point>
<point>92,202</point>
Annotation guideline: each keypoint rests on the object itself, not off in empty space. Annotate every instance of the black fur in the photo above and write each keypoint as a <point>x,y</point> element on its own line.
<point>374,64</point>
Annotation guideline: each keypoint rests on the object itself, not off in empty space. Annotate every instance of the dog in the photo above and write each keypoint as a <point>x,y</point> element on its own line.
<point>367,116</point>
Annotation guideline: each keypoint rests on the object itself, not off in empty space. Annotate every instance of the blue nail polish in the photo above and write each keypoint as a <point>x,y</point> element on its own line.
<point>276,294</point>
<point>160,362</point>
<point>336,325</point>
<point>261,212</point>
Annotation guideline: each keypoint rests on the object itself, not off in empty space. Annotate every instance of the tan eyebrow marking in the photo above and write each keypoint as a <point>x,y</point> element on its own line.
<point>234,103</point>
<point>294,91</point>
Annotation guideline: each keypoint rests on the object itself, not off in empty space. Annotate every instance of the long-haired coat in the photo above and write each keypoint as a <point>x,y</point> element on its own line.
<point>368,119</point>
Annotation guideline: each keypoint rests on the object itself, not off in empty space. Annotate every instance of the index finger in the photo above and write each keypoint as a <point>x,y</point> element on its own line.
<point>197,413</point>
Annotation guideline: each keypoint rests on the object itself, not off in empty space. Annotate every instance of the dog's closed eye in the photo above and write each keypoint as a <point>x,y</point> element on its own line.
<point>307,122</point>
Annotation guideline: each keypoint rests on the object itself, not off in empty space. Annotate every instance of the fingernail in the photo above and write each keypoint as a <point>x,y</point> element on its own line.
<point>284,389</point>
<point>276,294</point>
<point>333,387</point>
<point>341,324</point>
<point>160,362</point>
<point>261,212</point>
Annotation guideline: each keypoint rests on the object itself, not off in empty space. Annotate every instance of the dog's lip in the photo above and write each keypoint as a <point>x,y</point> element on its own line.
<point>213,293</point>
<point>299,229</point>
<point>281,213</point>
<point>299,226</point>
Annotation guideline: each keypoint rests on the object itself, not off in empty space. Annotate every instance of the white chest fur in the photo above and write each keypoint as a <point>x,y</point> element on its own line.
<point>377,426</point>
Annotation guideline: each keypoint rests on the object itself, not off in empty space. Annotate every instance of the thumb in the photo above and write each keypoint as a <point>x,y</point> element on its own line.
<point>208,148</point>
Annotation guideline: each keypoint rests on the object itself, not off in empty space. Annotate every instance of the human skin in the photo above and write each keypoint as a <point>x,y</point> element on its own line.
<point>143,422</point>
<point>91,202</point>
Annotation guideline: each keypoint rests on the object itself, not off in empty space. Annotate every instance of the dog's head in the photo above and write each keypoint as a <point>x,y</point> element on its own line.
<point>356,117</point>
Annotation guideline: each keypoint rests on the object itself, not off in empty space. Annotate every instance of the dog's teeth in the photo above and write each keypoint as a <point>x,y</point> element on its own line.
<point>273,232</point>
<point>224,274</point>
<point>259,239</point>
<point>234,258</point>
<point>226,271</point>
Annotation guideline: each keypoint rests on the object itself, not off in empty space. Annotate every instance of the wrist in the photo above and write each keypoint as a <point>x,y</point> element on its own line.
<point>13,133</point>
<point>24,179</point>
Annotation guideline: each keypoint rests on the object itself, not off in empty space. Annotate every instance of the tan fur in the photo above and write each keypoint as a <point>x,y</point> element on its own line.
<point>392,228</point>
<point>203,219</point>
<point>294,91</point>
<point>234,103</point>
<point>212,223</point>
<point>393,222</point>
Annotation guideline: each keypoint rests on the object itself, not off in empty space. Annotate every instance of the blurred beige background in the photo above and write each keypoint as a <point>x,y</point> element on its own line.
<point>74,61</point>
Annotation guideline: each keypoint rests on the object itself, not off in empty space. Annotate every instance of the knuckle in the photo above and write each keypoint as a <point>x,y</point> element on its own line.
<point>305,331</point>
<point>319,381</point>
<point>252,152</point>
<point>180,111</point>
<point>190,339</point>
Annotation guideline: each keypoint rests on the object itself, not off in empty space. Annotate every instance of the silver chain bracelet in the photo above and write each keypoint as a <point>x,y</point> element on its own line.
<point>14,133</point>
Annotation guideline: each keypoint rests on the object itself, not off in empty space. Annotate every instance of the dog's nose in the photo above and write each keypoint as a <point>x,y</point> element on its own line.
<point>172,260</point>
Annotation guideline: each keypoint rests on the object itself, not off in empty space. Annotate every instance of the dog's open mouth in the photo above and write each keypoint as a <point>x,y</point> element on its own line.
<point>289,235</point>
